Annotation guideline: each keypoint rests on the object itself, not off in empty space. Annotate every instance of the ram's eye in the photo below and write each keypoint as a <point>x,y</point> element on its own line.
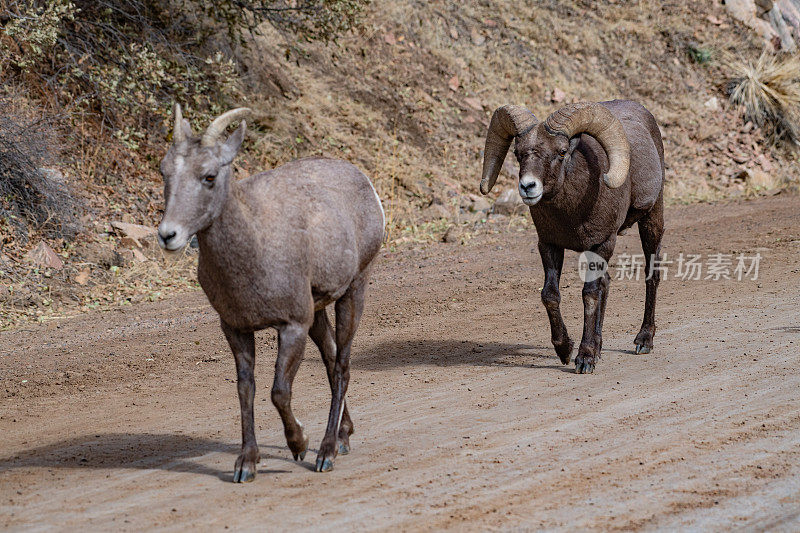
<point>209,179</point>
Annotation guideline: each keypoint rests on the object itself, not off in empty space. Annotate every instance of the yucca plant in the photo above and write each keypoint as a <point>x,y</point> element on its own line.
<point>768,90</point>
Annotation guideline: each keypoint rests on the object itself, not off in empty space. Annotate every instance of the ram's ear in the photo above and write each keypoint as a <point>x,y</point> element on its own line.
<point>573,143</point>
<point>231,146</point>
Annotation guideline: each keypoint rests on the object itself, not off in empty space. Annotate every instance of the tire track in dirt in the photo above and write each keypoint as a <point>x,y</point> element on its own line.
<point>464,417</point>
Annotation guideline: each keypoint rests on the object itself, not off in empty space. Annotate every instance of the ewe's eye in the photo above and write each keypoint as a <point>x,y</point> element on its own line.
<point>209,179</point>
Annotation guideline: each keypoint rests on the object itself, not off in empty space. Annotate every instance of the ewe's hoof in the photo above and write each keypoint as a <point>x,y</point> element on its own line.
<point>244,475</point>
<point>299,450</point>
<point>324,464</point>
<point>643,349</point>
<point>245,470</point>
<point>344,448</point>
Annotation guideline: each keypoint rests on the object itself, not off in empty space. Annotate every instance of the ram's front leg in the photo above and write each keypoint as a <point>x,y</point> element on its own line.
<point>243,348</point>
<point>595,296</point>
<point>552,262</point>
<point>594,300</point>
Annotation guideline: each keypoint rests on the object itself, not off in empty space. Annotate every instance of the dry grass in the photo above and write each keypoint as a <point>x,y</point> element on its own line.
<point>385,99</point>
<point>768,90</point>
<point>43,294</point>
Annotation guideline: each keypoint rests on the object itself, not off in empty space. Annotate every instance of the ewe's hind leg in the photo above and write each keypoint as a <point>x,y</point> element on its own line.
<point>651,229</point>
<point>348,314</point>
<point>291,344</point>
<point>321,333</point>
<point>243,348</point>
<point>552,261</point>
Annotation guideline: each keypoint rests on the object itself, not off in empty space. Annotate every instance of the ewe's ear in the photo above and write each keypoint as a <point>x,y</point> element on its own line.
<point>231,146</point>
<point>187,129</point>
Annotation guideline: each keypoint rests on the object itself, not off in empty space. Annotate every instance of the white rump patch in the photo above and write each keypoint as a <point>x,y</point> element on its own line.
<point>380,205</point>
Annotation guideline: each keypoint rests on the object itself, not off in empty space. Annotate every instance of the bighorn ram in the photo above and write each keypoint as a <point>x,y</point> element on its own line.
<point>275,250</point>
<point>588,172</point>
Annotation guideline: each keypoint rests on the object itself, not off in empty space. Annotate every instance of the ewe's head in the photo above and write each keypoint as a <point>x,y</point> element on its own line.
<point>544,149</point>
<point>197,174</point>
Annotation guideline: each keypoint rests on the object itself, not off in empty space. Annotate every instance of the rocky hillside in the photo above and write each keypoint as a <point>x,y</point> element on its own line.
<point>407,96</point>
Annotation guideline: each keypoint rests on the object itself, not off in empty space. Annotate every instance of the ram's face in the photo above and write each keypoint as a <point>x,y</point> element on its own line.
<point>541,158</point>
<point>194,190</point>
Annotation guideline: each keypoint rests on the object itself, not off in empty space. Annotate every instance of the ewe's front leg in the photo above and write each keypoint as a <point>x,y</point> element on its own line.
<point>553,261</point>
<point>348,313</point>
<point>291,344</point>
<point>244,352</point>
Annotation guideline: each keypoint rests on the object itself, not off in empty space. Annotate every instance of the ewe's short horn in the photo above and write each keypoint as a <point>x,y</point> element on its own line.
<point>177,129</point>
<point>216,128</point>
<point>507,122</point>
<point>597,121</point>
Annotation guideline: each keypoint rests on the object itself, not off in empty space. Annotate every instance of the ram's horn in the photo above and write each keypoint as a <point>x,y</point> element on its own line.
<point>217,127</point>
<point>507,122</point>
<point>597,121</point>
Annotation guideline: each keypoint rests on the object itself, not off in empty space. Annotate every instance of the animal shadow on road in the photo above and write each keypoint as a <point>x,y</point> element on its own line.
<point>457,352</point>
<point>172,453</point>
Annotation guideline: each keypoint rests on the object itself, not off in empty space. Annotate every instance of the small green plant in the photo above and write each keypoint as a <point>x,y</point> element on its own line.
<point>33,30</point>
<point>698,54</point>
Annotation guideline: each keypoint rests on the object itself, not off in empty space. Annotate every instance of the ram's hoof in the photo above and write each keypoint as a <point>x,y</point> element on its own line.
<point>564,351</point>
<point>643,349</point>
<point>344,448</point>
<point>324,464</point>
<point>299,456</point>
<point>584,364</point>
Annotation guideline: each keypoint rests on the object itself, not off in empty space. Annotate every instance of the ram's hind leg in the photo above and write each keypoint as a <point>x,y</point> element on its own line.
<point>321,333</point>
<point>244,352</point>
<point>651,230</point>
<point>553,261</point>
<point>291,344</point>
<point>348,314</point>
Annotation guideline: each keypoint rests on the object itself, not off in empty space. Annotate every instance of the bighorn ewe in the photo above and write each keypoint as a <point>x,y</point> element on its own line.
<point>275,250</point>
<point>588,172</point>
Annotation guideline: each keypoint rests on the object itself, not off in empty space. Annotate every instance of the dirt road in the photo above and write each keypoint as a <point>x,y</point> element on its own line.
<point>464,416</point>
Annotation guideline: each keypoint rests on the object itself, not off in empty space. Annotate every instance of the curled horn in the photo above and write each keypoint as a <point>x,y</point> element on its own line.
<point>597,121</point>
<point>177,129</point>
<point>217,127</point>
<point>507,122</point>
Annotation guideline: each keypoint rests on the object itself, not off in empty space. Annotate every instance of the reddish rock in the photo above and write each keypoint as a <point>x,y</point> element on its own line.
<point>474,103</point>
<point>558,95</point>
<point>453,83</point>
<point>143,235</point>
<point>44,257</point>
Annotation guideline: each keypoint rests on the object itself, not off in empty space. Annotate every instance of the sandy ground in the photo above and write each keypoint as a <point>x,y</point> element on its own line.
<point>464,417</point>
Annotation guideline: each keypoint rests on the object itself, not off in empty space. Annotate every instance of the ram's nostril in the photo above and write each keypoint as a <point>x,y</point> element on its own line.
<point>168,237</point>
<point>530,186</point>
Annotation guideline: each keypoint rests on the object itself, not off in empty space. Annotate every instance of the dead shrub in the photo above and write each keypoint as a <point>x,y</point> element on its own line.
<point>768,90</point>
<point>31,197</point>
